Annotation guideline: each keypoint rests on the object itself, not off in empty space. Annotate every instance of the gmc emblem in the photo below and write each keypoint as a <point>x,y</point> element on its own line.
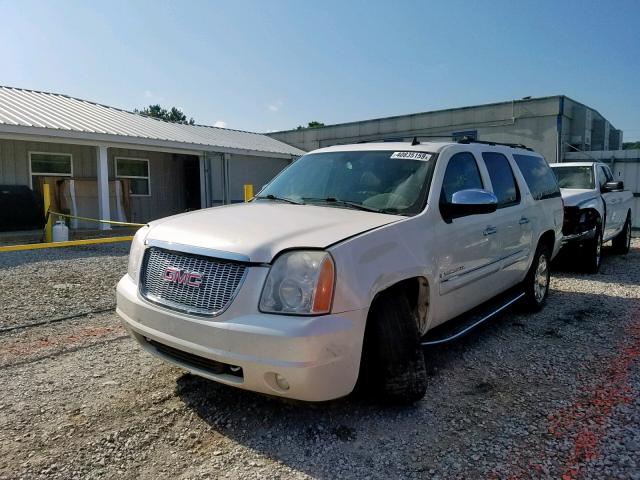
<point>182,277</point>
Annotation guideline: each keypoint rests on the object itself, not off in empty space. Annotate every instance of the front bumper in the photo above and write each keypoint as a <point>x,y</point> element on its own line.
<point>318,356</point>
<point>579,237</point>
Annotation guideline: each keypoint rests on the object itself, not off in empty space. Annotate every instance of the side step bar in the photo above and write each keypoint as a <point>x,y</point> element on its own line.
<point>456,328</point>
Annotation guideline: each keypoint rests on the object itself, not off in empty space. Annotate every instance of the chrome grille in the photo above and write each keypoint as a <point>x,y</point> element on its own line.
<point>221,279</point>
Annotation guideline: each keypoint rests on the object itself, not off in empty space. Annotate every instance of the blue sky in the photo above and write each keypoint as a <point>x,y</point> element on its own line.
<point>274,65</point>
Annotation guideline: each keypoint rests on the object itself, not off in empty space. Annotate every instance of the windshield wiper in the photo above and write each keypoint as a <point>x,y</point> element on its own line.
<point>345,203</point>
<point>280,199</point>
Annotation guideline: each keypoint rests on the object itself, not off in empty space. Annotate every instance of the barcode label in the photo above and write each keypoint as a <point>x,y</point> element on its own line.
<point>412,155</point>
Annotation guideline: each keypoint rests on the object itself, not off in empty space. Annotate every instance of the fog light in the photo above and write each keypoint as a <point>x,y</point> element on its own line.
<point>282,382</point>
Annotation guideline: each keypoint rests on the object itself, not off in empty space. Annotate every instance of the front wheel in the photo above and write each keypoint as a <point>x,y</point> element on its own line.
<point>592,253</point>
<point>622,242</point>
<point>393,365</point>
<point>536,283</point>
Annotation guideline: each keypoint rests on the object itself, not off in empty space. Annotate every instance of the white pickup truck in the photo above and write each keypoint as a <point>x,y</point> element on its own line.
<point>335,272</point>
<point>596,209</point>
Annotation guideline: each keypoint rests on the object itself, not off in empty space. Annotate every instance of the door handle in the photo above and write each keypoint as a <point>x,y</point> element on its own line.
<point>490,231</point>
<point>523,221</point>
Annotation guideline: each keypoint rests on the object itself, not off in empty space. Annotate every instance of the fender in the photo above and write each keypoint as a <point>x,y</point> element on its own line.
<point>378,260</point>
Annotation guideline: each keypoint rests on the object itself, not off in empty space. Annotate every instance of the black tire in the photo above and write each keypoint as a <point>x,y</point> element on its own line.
<point>392,366</point>
<point>591,257</point>
<point>536,283</point>
<point>622,242</point>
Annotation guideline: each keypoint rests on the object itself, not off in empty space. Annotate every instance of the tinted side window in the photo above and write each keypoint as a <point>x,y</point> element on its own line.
<point>602,176</point>
<point>502,179</point>
<point>462,173</point>
<point>540,179</point>
<point>607,173</point>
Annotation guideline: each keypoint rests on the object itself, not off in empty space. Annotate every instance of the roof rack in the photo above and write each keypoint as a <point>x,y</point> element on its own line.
<point>467,140</point>
<point>415,138</point>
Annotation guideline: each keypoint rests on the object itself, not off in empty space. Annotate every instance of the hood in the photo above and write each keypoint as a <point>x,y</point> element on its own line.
<point>260,230</point>
<point>574,196</point>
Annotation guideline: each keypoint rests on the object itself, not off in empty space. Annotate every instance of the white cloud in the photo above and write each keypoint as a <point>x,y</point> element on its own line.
<point>220,124</point>
<point>275,106</point>
<point>148,94</point>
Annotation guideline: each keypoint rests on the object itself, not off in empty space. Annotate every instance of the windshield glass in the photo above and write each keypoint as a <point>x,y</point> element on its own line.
<point>384,181</point>
<point>574,177</point>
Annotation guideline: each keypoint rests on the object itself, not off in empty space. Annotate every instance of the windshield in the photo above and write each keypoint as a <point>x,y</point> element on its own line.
<point>383,181</point>
<point>574,177</point>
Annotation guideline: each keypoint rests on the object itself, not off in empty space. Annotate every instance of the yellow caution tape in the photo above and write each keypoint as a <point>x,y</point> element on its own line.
<point>110,222</point>
<point>70,243</point>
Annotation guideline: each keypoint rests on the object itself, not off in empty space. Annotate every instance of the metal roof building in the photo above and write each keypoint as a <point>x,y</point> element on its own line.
<point>551,125</point>
<point>168,167</point>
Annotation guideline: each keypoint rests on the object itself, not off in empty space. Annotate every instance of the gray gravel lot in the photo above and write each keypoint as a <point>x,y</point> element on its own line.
<point>525,396</point>
<point>57,282</point>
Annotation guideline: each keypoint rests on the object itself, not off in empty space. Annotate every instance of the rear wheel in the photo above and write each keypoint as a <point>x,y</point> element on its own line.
<point>592,253</point>
<point>536,283</point>
<point>622,242</point>
<point>393,366</point>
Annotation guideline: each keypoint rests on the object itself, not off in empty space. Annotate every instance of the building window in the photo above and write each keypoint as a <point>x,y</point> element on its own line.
<point>44,164</point>
<point>136,170</point>
<point>51,164</point>
<point>470,134</point>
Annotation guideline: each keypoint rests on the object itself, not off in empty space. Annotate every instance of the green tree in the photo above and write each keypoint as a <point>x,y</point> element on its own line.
<point>312,124</point>
<point>174,115</point>
<point>631,145</point>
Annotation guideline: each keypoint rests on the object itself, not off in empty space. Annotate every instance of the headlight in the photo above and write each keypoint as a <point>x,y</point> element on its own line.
<point>135,254</point>
<point>299,283</point>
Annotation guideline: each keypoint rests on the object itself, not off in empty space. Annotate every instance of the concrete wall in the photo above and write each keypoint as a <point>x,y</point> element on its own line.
<point>625,165</point>
<point>531,122</point>
<point>166,174</point>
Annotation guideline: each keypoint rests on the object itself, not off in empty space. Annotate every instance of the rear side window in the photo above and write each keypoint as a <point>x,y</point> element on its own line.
<point>540,179</point>
<point>462,173</point>
<point>502,179</point>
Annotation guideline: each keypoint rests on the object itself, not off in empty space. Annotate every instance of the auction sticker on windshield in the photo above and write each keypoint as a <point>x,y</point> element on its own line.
<point>412,155</point>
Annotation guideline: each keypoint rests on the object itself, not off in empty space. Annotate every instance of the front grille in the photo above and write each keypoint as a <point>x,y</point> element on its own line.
<point>164,279</point>
<point>196,361</point>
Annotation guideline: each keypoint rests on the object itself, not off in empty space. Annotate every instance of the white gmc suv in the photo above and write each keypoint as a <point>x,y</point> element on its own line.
<point>341,267</point>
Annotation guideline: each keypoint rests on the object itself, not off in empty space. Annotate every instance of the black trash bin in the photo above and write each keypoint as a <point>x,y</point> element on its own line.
<point>19,209</point>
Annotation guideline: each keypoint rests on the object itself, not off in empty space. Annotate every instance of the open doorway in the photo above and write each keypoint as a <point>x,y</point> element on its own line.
<point>191,165</point>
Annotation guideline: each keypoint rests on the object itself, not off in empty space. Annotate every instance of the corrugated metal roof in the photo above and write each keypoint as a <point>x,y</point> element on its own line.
<point>57,114</point>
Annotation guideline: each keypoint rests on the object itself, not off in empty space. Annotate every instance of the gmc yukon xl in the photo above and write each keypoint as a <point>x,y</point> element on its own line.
<point>337,270</point>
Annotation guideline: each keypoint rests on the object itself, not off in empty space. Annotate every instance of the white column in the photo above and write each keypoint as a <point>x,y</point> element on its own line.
<point>103,187</point>
<point>226,195</point>
<point>203,181</point>
<point>206,187</point>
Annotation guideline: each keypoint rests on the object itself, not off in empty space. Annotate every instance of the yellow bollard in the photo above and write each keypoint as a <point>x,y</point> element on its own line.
<point>248,192</point>
<point>47,203</point>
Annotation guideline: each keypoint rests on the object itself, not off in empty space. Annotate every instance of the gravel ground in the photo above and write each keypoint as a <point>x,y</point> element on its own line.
<point>78,279</point>
<point>550,395</point>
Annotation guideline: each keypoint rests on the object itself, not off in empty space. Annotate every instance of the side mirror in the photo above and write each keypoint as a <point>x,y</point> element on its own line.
<point>470,202</point>
<point>612,186</point>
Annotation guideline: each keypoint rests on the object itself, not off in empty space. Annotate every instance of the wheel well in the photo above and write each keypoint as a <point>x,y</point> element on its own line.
<point>548,238</point>
<point>416,289</point>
